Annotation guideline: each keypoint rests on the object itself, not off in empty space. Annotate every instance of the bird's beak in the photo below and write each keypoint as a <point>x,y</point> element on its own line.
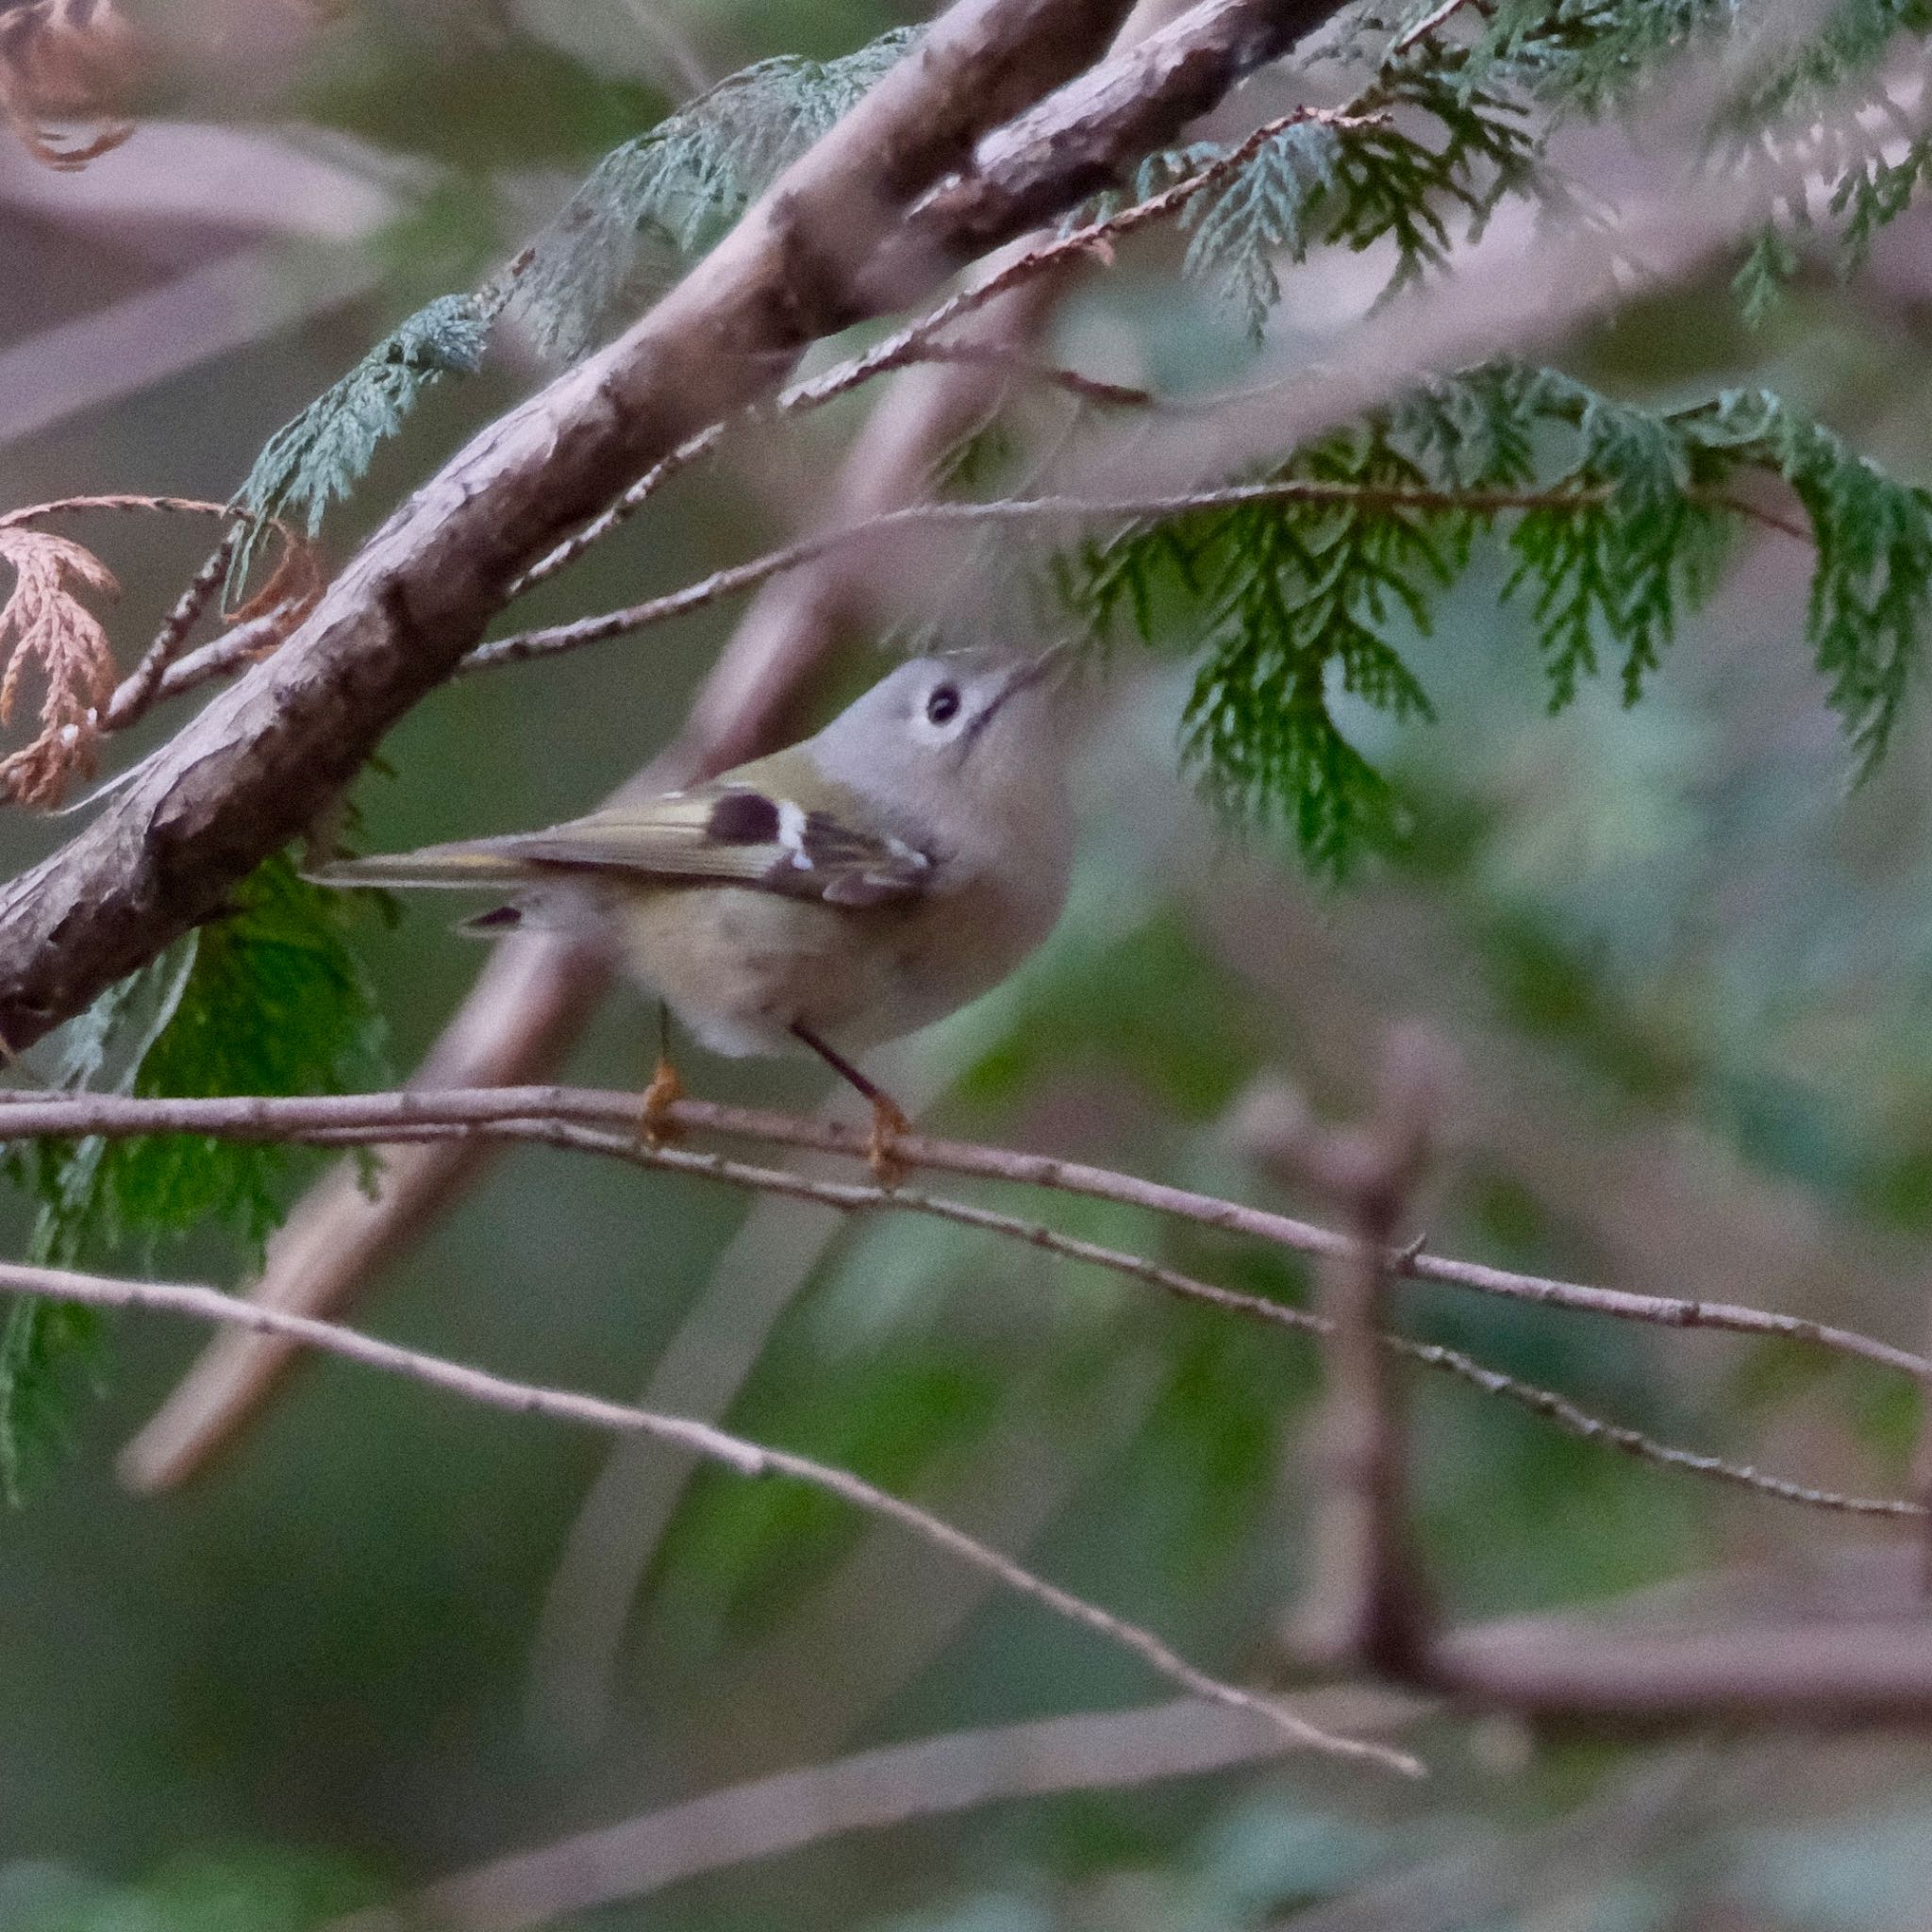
<point>1051,667</point>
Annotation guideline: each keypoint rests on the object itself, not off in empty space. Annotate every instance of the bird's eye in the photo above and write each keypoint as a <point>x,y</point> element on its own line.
<point>942,707</point>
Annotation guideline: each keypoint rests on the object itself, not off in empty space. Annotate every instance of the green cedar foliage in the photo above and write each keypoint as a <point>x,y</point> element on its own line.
<point>269,998</point>
<point>672,190</point>
<point>320,456</point>
<point>669,191</point>
<point>1614,520</point>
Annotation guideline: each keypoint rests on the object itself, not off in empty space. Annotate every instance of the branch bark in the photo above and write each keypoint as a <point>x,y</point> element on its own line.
<point>842,235</point>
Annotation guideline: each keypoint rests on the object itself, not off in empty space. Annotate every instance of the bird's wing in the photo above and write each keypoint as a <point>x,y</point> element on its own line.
<point>729,833</point>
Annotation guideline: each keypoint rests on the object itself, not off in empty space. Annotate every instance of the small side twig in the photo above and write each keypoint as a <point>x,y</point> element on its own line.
<point>916,342</point>
<point>136,691</point>
<point>735,1453</point>
<point>548,641</point>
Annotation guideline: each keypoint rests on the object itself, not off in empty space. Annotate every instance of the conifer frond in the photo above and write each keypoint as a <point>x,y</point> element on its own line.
<point>268,999</point>
<point>319,458</point>
<point>1419,149</point>
<point>1616,521</point>
<point>672,189</point>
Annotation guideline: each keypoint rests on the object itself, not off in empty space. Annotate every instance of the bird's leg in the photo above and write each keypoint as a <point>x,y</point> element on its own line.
<point>887,1117</point>
<point>664,1091</point>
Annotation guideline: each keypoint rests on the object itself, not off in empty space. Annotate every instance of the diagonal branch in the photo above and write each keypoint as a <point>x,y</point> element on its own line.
<point>745,1458</point>
<point>841,235</point>
<point>854,1198</point>
<point>933,1776</point>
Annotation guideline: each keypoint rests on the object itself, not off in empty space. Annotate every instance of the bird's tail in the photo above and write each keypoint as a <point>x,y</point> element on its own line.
<point>481,863</point>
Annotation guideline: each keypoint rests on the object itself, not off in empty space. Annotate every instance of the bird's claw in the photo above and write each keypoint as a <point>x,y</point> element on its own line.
<point>666,1089</point>
<point>887,1123</point>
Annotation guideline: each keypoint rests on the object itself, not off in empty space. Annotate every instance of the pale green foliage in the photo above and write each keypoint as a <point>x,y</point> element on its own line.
<point>1877,191</point>
<point>1264,213</point>
<point>1435,152</point>
<point>319,458</point>
<point>267,999</point>
<point>673,189</point>
<point>1615,520</point>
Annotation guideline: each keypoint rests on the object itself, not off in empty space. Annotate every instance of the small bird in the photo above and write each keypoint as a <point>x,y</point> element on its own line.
<point>848,889</point>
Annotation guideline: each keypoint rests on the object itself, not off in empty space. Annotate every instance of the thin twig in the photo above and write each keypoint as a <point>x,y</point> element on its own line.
<point>915,342</point>
<point>124,500</point>
<point>138,689</point>
<point>1070,510</point>
<point>859,1197</point>
<point>373,1118</point>
<point>745,1458</point>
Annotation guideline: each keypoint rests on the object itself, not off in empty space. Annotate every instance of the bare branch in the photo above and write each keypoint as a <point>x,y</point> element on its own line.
<point>859,1198</point>
<point>378,1118</point>
<point>138,689</point>
<point>731,1452</point>
<point>1864,1669</point>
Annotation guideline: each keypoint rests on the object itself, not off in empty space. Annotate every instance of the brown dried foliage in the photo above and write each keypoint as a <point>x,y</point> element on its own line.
<point>65,60</point>
<point>294,589</point>
<point>44,624</point>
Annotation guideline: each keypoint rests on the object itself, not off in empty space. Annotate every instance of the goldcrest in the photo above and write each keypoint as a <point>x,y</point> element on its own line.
<point>843,891</point>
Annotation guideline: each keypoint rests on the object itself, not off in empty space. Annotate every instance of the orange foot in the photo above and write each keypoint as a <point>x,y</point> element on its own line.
<point>887,1123</point>
<point>665,1090</point>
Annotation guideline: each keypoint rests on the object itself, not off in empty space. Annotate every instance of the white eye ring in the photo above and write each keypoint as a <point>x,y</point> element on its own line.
<point>943,704</point>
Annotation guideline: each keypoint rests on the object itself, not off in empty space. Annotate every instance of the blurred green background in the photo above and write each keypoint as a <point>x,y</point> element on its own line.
<point>1688,978</point>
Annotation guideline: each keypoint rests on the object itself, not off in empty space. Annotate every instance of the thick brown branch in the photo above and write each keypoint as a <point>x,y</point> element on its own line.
<point>715,1446</point>
<point>808,259</point>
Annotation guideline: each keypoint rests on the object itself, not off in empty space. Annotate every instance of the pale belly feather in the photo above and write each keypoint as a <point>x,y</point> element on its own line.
<point>742,967</point>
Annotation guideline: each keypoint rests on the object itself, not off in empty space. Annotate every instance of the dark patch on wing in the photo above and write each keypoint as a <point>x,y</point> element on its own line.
<point>499,919</point>
<point>854,869</point>
<point>744,818</point>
